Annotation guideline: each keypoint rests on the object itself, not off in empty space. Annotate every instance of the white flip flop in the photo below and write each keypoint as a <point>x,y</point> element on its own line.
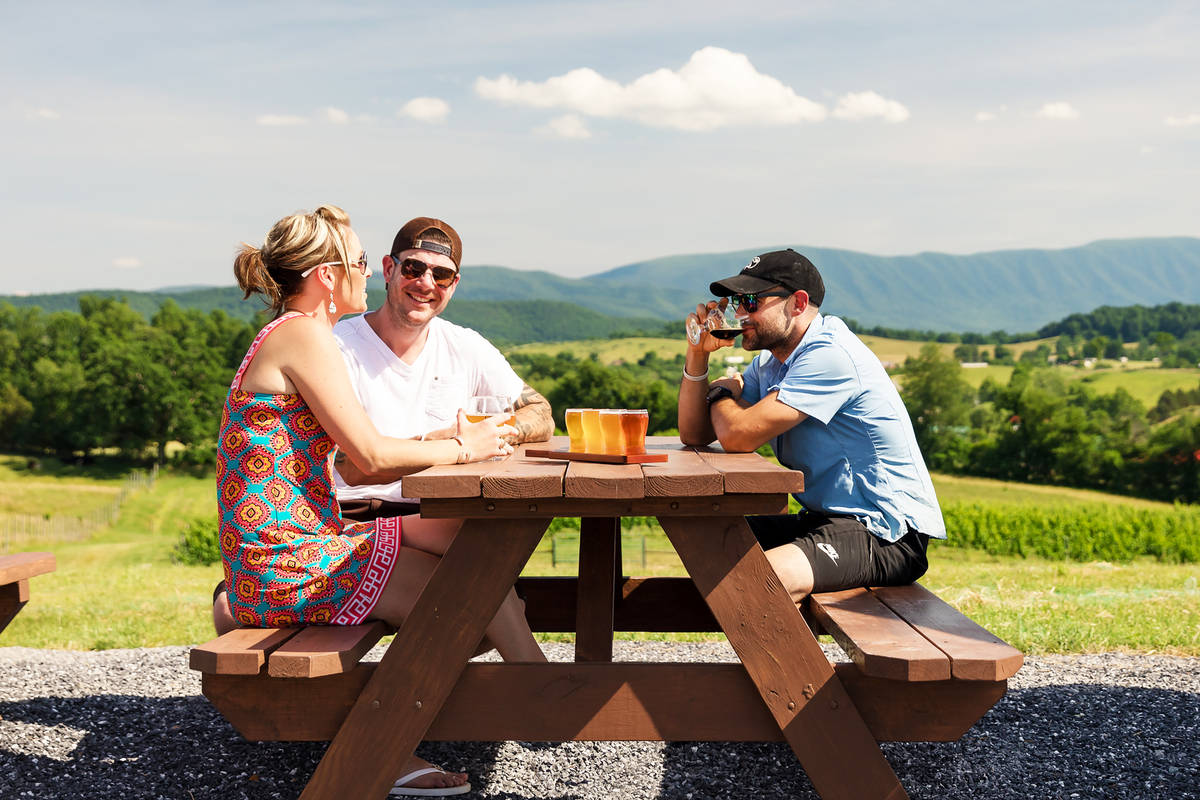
<point>400,790</point>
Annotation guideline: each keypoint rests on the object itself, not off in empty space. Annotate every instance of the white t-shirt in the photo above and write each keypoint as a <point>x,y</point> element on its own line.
<point>407,400</point>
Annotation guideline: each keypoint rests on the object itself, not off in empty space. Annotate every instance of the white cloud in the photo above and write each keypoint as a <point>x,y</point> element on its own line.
<point>426,109</point>
<point>127,262</point>
<point>1185,121</point>
<point>336,115</point>
<point>45,113</point>
<point>1059,110</point>
<point>715,88</point>
<point>280,120</point>
<point>984,116</point>
<point>568,126</point>
<point>865,105</point>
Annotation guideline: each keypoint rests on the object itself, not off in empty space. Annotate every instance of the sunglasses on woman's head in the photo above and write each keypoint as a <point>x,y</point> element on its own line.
<point>750,300</point>
<point>361,263</point>
<point>413,268</point>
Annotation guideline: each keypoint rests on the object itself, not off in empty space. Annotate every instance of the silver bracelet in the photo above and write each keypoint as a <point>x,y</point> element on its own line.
<point>697,378</point>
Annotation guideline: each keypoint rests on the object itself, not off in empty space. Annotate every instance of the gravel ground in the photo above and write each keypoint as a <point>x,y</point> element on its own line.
<point>132,724</point>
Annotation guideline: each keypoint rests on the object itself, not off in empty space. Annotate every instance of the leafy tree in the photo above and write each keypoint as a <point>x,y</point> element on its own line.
<point>939,401</point>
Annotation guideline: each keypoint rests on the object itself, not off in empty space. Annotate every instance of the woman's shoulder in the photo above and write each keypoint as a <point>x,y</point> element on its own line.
<point>300,334</point>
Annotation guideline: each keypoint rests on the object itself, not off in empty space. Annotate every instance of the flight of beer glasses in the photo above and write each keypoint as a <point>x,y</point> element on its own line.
<point>722,322</point>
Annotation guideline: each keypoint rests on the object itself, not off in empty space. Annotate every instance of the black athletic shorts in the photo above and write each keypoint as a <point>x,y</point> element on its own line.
<point>842,552</point>
<point>373,508</point>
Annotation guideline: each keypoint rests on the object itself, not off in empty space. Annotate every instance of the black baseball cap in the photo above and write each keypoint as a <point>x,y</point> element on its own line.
<point>785,268</point>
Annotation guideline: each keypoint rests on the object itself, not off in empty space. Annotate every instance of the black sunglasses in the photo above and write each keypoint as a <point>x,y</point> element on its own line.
<point>750,300</point>
<point>413,268</point>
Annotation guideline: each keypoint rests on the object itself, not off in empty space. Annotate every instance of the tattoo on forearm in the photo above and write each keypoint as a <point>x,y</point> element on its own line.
<point>528,395</point>
<point>533,420</point>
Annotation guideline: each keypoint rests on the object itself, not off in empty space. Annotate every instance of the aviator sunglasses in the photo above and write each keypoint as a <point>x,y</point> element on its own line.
<point>361,263</point>
<point>414,268</point>
<point>750,300</point>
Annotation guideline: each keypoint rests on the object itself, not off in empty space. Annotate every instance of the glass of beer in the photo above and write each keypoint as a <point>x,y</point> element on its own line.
<point>610,428</point>
<point>575,430</point>
<point>634,423</point>
<point>593,437</point>
<point>481,407</point>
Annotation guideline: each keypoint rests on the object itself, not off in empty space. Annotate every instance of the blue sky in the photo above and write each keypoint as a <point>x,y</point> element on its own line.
<point>143,141</point>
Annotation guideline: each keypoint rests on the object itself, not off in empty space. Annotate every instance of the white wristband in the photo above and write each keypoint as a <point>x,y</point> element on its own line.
<point>697,378</point>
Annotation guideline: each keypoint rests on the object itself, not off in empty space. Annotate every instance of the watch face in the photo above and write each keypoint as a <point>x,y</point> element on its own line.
<point>717,392</point>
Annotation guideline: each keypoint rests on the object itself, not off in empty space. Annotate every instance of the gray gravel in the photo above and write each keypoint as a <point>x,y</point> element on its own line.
<point>132,724</point>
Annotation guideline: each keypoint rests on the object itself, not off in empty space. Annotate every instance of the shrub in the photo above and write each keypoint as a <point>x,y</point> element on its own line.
<point>198,543</point>
<point>1077,533</point>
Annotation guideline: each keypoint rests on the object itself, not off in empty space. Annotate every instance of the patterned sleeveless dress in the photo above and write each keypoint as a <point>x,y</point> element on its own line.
<point>289,557</point>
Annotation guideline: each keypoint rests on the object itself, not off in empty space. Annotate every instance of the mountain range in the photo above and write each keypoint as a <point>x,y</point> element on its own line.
<point>1011,290</point>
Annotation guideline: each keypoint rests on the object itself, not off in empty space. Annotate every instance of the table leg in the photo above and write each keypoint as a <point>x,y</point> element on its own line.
<point>599,553</point>
<point>13,597</point>
<point>425,660</point>
<point>783,658</point>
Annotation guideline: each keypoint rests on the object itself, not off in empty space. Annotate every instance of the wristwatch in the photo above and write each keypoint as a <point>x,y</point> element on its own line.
<point>718,392</point>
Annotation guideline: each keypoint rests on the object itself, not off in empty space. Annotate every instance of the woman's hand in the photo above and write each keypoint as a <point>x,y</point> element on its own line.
<point>484,439</point>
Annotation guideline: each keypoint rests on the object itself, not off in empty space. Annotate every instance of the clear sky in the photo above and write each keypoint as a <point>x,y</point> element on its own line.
<point>143,141</point>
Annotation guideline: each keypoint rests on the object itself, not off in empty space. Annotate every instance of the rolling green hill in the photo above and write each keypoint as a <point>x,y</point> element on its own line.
<point>1011,290</point>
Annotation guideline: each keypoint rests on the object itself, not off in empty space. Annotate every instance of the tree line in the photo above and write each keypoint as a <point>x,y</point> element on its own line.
<point>1042,428</point>
<point>107,378</point>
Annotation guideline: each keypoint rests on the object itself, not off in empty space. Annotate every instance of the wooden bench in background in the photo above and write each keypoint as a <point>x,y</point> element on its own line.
<point>918,671</point>
<point>15,572</point>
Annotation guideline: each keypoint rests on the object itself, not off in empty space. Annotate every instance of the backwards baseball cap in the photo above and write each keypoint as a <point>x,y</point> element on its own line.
<point>785,268</point>
<point>413,237</point>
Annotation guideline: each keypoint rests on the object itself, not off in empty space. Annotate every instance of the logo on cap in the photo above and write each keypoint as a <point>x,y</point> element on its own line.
<point>753,263</point>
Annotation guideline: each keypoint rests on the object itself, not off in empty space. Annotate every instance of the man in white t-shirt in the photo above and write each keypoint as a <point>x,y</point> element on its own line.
<point>413,371</point>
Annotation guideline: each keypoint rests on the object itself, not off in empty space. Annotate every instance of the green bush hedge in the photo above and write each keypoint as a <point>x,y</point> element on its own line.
<point>1077,533</point>
<point>198,543</point>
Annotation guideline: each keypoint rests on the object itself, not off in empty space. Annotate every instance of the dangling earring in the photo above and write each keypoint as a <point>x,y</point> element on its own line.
<point>332,306</point>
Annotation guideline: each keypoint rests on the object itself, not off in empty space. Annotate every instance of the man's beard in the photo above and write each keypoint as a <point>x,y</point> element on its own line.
<point>762,337</point>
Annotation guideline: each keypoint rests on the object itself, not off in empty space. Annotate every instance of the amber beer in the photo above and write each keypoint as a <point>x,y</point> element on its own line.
<point>614,436</point>
<point>575,430</point>
<point>634,423</point>
<point>593,437</point>
<point>512,419</point>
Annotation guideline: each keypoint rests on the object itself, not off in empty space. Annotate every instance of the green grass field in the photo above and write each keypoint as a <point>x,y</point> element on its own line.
<point>119,588</point>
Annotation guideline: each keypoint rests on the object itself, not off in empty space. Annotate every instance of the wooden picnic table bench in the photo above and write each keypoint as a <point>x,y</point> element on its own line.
<point>15,572</point>
<point>918,670</point>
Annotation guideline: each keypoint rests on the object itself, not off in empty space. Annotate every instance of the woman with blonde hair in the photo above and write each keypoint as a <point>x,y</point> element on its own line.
<point>289,557</point>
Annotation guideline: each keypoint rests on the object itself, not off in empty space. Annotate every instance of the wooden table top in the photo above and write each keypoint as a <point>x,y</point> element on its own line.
<point>687,473</point>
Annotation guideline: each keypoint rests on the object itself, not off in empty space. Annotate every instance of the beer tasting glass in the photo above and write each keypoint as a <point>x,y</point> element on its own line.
<point>593,438</point>
<point>634,423</point>
<point>575,430</point>
<point>481,407</point>
<point>722,322</point>
<point>614,436</point>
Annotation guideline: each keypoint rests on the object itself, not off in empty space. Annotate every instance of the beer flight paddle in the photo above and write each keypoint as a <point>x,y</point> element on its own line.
<point>605,436</point>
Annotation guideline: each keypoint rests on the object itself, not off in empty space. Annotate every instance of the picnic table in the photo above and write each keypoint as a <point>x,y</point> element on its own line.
<point>919,669</point>
<point>15,572</point>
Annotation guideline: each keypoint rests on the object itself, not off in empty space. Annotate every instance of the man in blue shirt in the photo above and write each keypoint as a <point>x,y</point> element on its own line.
<point>828,408</point>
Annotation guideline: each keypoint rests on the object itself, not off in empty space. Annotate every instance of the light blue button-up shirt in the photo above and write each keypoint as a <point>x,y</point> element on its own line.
<point>857,448</point>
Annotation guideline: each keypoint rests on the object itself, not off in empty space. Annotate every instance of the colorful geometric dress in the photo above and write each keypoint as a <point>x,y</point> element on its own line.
<point>289,557</point>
